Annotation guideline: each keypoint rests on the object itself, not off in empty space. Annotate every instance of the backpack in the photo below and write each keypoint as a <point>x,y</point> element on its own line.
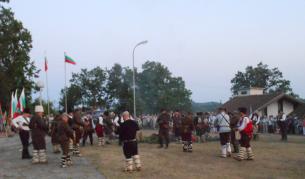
<point>249,128</point>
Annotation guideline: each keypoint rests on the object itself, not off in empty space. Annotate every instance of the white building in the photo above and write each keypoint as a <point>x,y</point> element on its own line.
<point>255,100</point>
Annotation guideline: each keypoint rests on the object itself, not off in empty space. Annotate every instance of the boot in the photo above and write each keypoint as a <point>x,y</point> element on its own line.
<point>99,141</point>
<point>63,161</point>
<point>56,149</point>
<point>42,156</point>
<point>190,147</point>
<point>250,155</point>
<point>229,151</point>
<point>184,146</point>
<point>236,148</point>
<point>35,158</point>
<point>25,154</point>
<point>137,162</point>
<point>224,151</point>
<point>76,151</point>
<point>128,165</point>
<point>241,154</point>
<point>69,161</point>
<point>71,147</point>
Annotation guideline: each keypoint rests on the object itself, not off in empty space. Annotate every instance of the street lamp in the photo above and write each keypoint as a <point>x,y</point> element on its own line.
<point>134,78</point>
<point>40,85</point>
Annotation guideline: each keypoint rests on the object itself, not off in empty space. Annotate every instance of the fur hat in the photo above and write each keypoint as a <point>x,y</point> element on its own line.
<point>39,108</point>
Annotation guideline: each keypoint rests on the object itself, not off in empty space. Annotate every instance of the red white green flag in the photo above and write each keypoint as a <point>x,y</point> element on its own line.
<point>45,64</point>
<point>69,60</point>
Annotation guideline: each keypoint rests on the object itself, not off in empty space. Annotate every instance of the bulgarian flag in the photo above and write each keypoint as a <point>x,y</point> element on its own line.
<point>45,64</point>
<point>14,103</point>
<point>69,60</point>
<point>22,102</point>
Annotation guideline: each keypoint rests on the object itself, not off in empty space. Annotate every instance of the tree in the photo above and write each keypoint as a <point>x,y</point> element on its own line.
<point>17,71</point>
<point>73,96</point>
<point>261,76</point>
<point>87,88</point>
<point>159,89</point>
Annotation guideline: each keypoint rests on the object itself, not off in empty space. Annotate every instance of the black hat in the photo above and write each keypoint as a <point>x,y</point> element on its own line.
<point>242,110</point>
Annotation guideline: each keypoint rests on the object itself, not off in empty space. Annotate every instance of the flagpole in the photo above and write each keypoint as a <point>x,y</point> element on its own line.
<point>65,85</point>
<point>47,82</point>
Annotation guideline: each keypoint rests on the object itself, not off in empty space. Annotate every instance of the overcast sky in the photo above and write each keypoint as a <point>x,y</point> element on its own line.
<point>205,42</point>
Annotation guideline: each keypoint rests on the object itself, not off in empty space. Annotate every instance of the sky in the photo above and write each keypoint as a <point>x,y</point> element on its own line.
<point>204,41</point>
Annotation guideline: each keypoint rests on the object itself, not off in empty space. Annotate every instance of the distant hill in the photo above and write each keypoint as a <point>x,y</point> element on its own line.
<point>205,107</point>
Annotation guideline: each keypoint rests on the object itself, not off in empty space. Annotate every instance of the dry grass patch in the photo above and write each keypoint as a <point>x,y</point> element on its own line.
<point>274,159</point>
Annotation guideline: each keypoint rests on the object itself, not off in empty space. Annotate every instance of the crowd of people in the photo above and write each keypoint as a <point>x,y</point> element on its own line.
<point>70,130</point>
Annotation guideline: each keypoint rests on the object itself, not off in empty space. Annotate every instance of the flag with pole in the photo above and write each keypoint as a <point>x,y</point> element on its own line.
<point>13,105</point>
<point>70,60</point>
<point>22,102</point>
<point>47,82</point>
<point>45,64</point>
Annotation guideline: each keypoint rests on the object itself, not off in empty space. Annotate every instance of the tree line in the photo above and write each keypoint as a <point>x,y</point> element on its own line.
<point>156,88</point>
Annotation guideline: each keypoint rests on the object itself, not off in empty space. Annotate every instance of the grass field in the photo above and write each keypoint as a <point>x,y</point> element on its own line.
<point>273,159</point>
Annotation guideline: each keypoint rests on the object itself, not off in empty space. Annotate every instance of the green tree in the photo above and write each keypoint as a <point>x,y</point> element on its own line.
<point>261,76</point>
<point>120,89</point>
<point>87,88</point>
<point>159,89</point>
<point>17,71</point>
<point>73,97</point>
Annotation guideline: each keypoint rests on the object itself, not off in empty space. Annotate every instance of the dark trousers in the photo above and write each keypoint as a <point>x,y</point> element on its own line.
<point>244,140</point>
<point>234,142</point>
<point>163,136</point>
<point>65,147</point>
<point>24,137</point>
<point>78,136</point>
<point>225,138</point>
<point>130,149</point>
<point>283,129</point>
<point>86,134</point>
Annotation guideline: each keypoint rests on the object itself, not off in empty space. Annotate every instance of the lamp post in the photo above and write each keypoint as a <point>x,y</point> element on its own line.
<point>134,78</point>
<point>40,85</point>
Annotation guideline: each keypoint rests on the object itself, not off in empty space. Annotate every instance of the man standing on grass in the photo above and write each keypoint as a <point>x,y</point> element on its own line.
<point>78,126</point>
<point>245,127</point>
<point>223,124</point>
<point>64,133</point>
<point>127,134</point>
<point>187,128</point>
<point>163,121</point>
<point>177,125</point>
<point>22,123</point>
<point>39,129</point>
<point>283,125</point>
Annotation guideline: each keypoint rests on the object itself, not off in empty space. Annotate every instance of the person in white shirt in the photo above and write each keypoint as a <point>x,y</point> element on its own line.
<point>22,123</point>
<point>255,120</point>
<point>245,128</point>
<point>223,124</point>
<point>283,125</point>
<point>99,129</point>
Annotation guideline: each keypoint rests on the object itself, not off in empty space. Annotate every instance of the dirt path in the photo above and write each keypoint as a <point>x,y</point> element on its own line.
<point>11,165</point>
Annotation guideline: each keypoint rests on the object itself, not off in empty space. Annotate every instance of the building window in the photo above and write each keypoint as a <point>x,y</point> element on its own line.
<point>244,92</point>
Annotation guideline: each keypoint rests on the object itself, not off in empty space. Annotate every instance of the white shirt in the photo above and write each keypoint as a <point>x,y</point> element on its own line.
<point>21,122</point>
<point>100,120</point>
<point>283,118</point>
<point>244,123</point>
